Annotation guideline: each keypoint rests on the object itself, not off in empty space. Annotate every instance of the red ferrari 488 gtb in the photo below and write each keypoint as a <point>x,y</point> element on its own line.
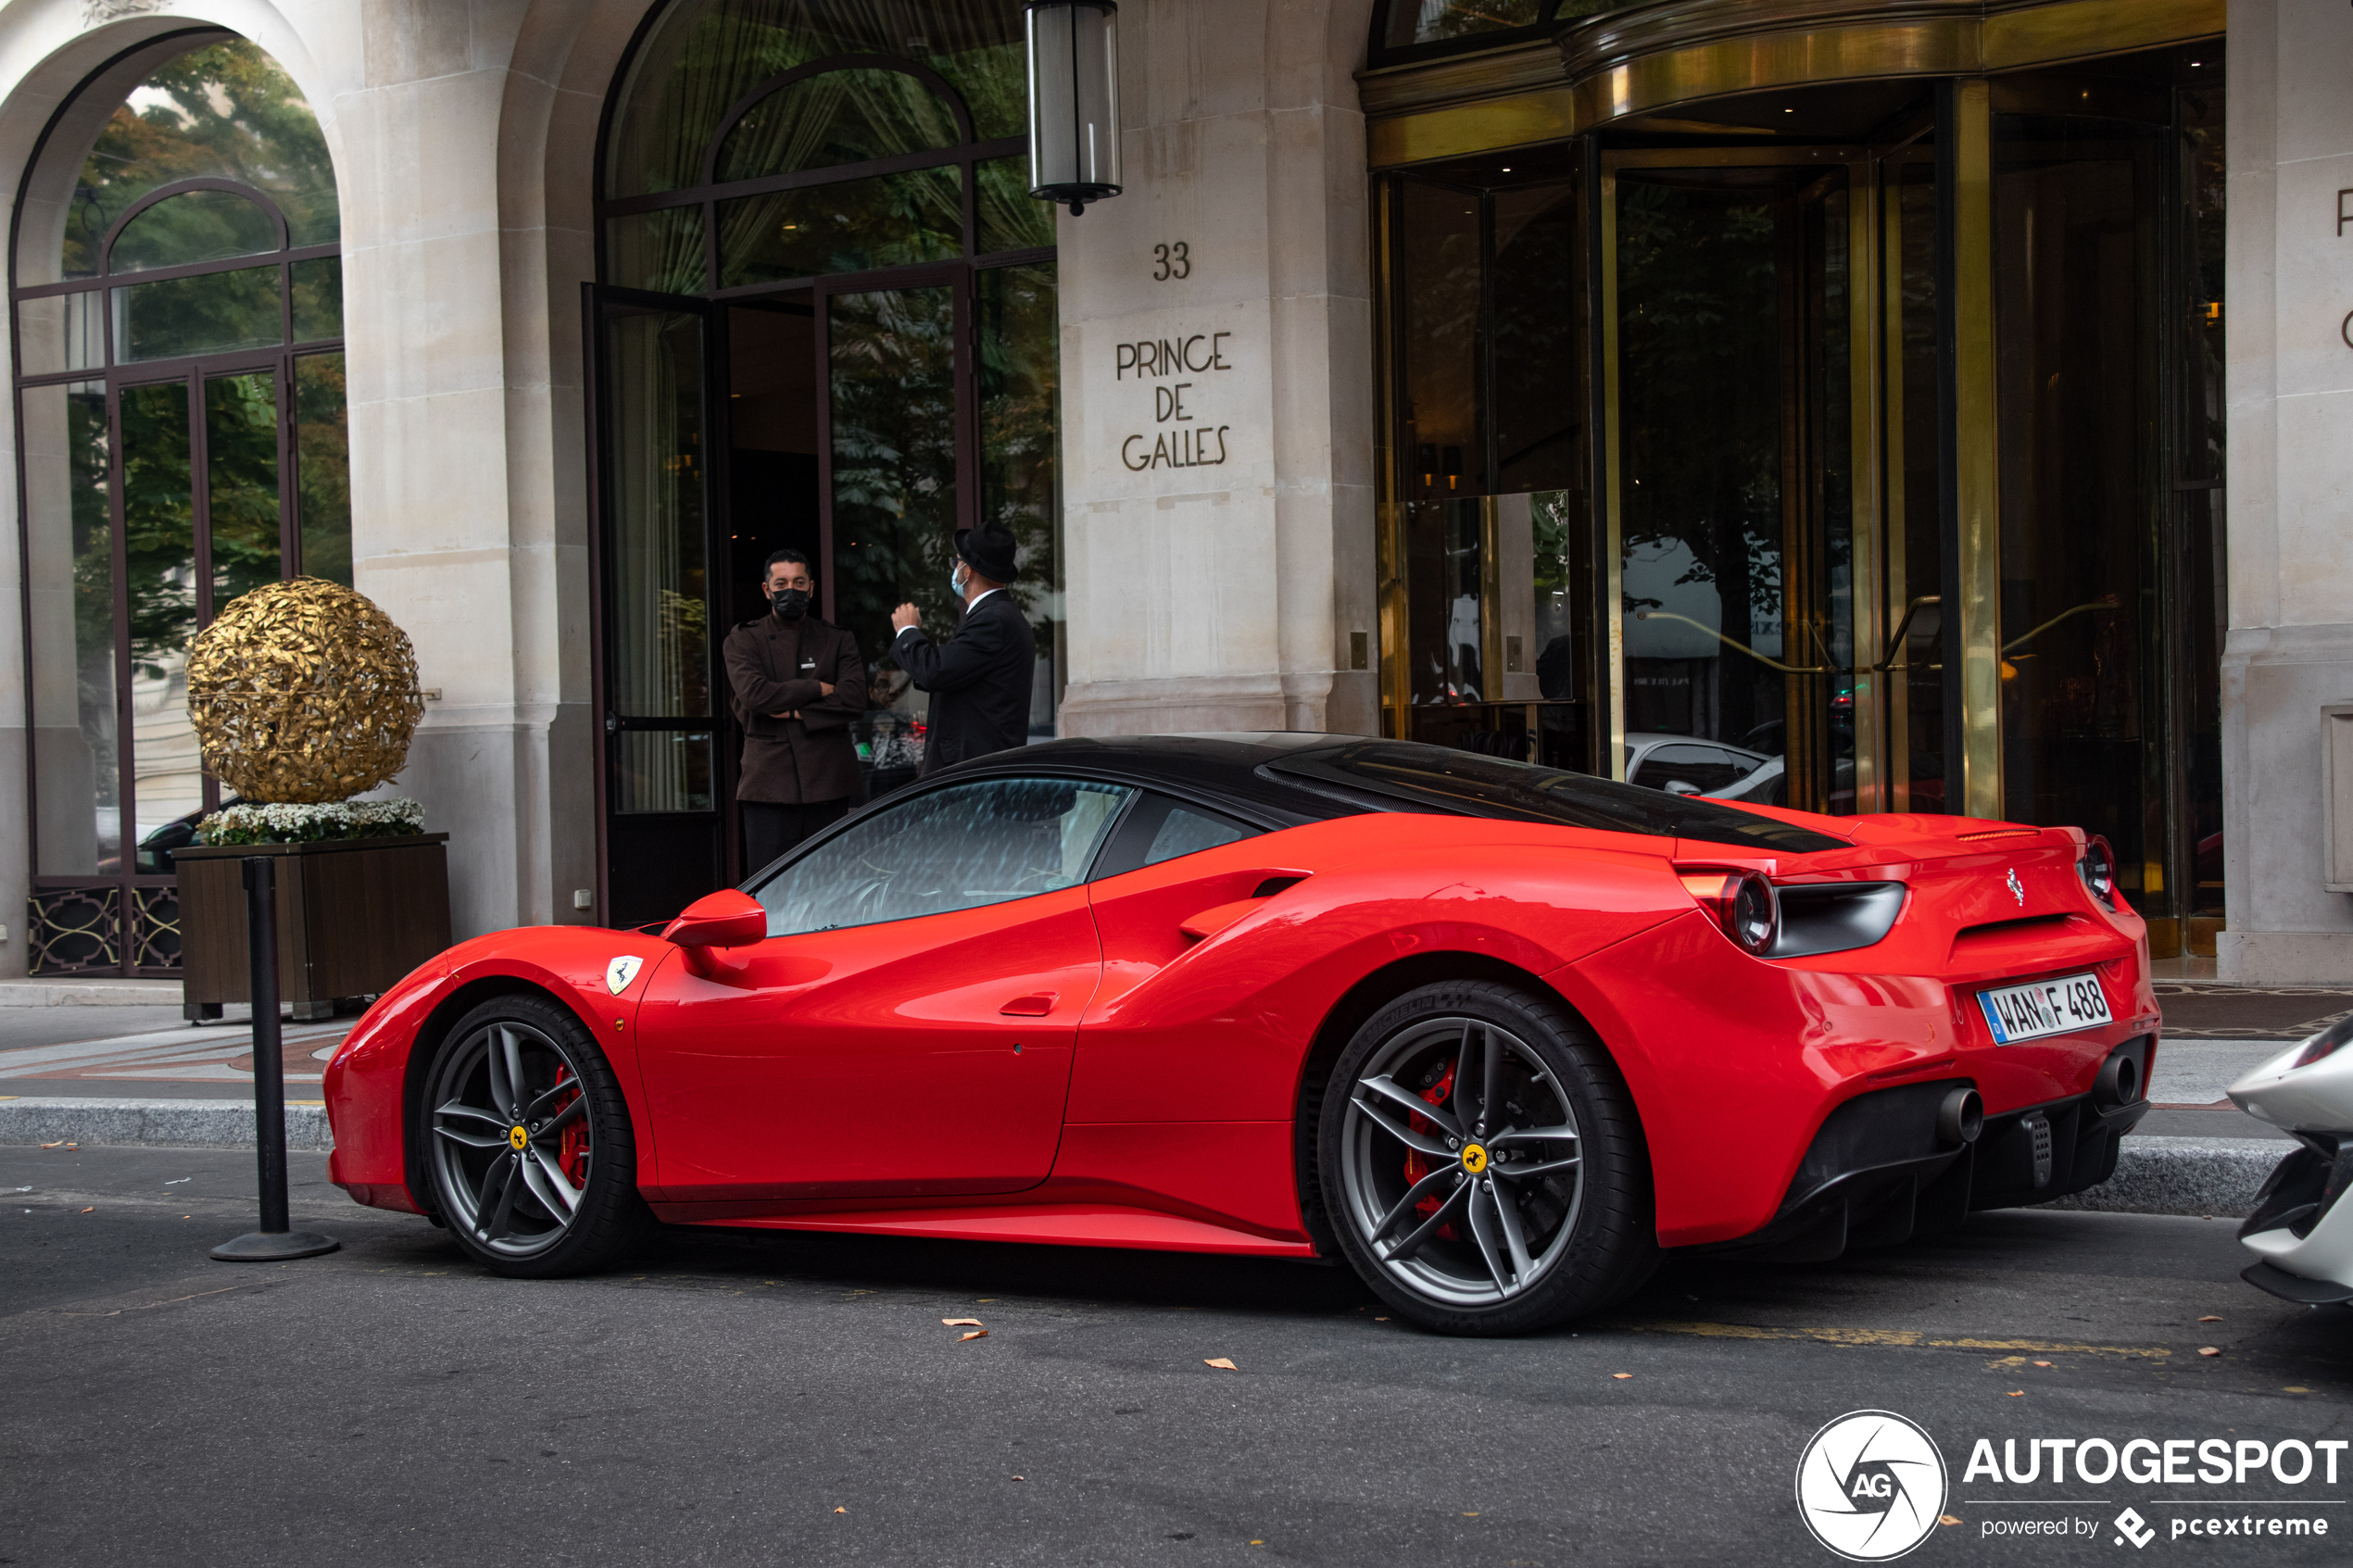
<point>1497,1034</point>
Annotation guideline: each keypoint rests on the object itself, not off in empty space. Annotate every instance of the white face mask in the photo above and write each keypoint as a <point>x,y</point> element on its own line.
<point>957,579</point>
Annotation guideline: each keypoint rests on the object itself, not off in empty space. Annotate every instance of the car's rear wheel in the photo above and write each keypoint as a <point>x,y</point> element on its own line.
<point>1483,1164</point>
<point>528,1143</point>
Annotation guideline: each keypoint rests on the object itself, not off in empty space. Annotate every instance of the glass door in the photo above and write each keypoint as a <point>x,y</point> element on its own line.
<point>897,462</point>
<point>1743,552</point>
<point>661,783</point>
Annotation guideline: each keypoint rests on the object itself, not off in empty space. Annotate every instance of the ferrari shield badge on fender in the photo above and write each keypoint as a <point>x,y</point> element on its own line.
<point>621,972</point>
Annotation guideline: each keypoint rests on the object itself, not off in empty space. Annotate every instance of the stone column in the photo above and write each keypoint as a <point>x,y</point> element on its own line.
<point>2290,381</point>
<point>1217,390</point>
<point>453,521</point>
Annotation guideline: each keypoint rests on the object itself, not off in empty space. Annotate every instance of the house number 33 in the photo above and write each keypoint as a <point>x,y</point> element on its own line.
<point>1171,261</point>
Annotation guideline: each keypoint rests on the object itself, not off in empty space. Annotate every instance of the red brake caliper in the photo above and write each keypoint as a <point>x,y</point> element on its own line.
<point>1416,1166</point>
<point>575,1157</point>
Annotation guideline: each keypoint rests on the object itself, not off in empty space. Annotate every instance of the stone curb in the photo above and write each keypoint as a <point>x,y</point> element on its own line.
<point>155,1124</point>
<point>90,994</point>
<point>2160,1175</point>
<point>2154,1175</point>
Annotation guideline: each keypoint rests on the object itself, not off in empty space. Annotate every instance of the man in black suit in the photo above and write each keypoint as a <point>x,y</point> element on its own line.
<point>979,679</point>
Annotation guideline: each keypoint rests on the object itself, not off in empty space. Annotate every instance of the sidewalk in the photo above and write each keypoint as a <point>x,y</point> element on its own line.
<point>107,1072</point>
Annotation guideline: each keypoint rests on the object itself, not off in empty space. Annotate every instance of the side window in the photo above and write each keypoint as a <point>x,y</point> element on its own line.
<point>1161,829</point>
<point>1703,767</point>
<point>988,842</point>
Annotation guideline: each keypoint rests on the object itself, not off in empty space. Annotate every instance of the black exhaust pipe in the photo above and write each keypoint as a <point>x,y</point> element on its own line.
<point>1961,1117</point>
<point>2120,1080</point>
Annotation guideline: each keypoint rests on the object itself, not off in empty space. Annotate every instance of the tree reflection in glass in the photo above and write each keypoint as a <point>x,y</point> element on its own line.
<point>226,111</point>
<point>894,462</point>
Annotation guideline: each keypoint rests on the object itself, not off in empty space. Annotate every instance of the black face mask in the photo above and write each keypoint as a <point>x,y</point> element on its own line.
<point>790,604</point>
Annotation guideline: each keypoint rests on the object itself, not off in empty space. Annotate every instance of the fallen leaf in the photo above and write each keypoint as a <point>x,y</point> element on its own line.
<point>1621,1377</point>
<point>1222,1365</point>
<point>1021,1478</point>
<point>961,1322</point>
<point>1258,1543</point>
<point>841,1510</point>
<point>1380,1319</point>
<point>2295,1389</point>
<point>2042,1363</point>
<point>2203,1350</point>
<point>1470,1515</point>
<point>2018,1393</point>
<point>59,1143</point>
<point>71,1145</point>
<point>92,1209</point>
<point>2210,1319</point>
<point>975,1333</point>
<point>1947,1519</point>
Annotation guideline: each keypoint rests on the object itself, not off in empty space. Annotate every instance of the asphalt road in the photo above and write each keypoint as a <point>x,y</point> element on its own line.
<point>754,1398</point>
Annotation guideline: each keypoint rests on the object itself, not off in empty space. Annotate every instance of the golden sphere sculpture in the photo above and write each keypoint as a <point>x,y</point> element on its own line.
<point>302,692</point>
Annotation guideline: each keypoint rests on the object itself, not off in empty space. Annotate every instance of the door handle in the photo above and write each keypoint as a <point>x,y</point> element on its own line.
<point>1035,1006</point>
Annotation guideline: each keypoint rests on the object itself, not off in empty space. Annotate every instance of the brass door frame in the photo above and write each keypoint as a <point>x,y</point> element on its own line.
<point>1619,65</point>
<point>1974,576</point>
<point>1864,437</point>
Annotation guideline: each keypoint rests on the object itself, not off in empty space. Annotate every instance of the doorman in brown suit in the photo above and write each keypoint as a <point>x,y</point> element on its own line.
<point>799,683</point>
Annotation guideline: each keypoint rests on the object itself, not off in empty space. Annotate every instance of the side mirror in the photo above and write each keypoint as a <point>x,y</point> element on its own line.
<point>728,918</point>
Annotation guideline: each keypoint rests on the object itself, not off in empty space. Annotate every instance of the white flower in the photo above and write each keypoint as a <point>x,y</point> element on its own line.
<point>279,822</point>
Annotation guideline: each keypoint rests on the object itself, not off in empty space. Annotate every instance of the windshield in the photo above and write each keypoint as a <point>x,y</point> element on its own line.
<point>1443,780</point>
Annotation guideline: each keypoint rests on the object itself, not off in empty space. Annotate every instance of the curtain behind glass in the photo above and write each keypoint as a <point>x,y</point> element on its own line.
<point>705,55</point>
<point>70,590</point>
<point>661,658</point>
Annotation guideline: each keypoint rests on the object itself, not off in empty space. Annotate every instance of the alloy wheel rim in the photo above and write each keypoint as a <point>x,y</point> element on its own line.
<point>511,1138</point>
<point>1461,1165</point>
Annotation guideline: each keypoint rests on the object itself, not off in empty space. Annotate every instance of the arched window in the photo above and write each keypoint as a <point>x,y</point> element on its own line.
<point>177,295</point>
<point>765,140</point>
<point>826,322</point>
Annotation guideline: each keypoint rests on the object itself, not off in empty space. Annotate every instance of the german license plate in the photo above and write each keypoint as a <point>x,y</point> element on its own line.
<point>2046,1007</point>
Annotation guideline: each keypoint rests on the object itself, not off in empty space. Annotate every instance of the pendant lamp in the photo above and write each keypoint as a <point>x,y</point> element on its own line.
<point>1074,101</point>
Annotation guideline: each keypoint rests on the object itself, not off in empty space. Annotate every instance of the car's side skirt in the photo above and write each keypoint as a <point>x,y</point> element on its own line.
<point>1057,1224</point>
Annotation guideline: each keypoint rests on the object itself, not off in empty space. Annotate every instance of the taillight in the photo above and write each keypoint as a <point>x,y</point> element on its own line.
<point>1743,903</point>
<point>2098,866</point>
<point>2326,1043</point>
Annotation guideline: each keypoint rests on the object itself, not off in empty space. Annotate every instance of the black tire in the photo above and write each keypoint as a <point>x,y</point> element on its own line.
<point>1555,1223</point>
<point>538,1184</point>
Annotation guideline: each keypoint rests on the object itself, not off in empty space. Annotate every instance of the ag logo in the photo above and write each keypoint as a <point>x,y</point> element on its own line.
<point>1871,1485</point>
<point>621,972</point>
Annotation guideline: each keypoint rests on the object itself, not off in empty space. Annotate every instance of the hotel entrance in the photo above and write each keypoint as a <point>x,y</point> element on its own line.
<point>827,322</point>
<point>1850,445</point>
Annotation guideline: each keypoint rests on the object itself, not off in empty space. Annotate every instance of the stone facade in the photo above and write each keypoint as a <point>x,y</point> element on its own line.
<point>2290,653</point>
<point>1218,424</point>
<point>464,136</point>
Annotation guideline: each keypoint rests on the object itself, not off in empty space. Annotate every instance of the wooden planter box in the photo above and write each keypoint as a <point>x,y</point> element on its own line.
<point>354,915</point>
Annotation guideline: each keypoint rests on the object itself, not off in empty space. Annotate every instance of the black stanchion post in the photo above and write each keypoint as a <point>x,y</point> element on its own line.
<point>273,1241</point>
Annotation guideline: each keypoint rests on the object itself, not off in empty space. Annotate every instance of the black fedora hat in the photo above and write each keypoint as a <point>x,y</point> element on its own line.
<point>989,550</point>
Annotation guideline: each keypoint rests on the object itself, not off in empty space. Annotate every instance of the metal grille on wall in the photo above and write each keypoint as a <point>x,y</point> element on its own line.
<point>75,930</point>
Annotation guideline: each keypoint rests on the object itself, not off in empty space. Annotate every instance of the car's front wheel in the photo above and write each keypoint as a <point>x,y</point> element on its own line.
<point>528,1143</point>
<point>1482,1163</point>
